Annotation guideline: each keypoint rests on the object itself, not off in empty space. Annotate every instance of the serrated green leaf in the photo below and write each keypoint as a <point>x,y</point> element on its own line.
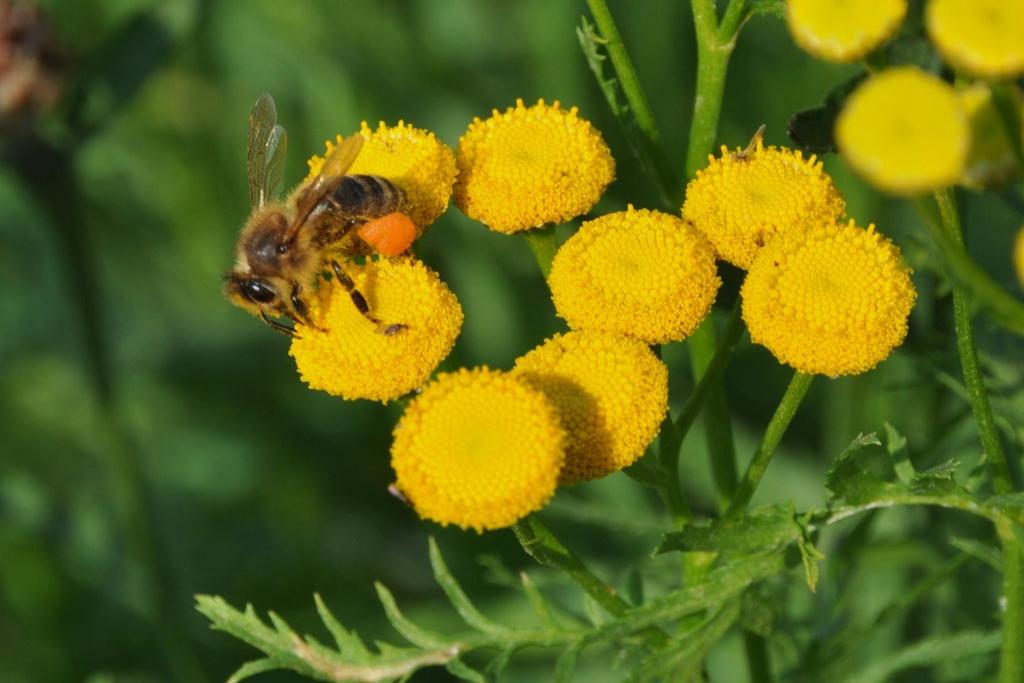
<point>410,631</point>
<point>635,586</point>
<point>811,129</point>
<point>847,479</point>
<point>721,584</point>
<point>496,667</point>
<point>896,445</point>
<point>309,658</point>
<point>460,601</point>
<point>592,45</point>
<point>594,612</point>
<point>462,671</point>
<point>684,658</point>
<point>644,142</point>
<point>348,642</point>
<point>566,664</point>
<point>810,556</point>
<point>980,551</point>
<point>280,625</point>
<point>537,601</point>
<point>937,481</point>
<point>927,652</point>
<point>757,531</point>
<point>250,669</point>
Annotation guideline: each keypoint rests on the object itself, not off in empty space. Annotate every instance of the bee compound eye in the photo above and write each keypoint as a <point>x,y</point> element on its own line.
<point>259,291</point>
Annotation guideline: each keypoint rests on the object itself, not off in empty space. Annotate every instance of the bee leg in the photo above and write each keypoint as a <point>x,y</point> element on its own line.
<point>301,310</point>
<point>278,327</point>
<point>360,301</point>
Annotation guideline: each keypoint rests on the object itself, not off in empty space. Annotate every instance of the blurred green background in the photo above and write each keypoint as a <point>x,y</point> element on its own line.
<point>156,442</point>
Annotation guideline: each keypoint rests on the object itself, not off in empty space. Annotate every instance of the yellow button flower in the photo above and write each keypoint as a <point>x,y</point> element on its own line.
<point>352,357</point>
<point>530,166</point>
<point>982,37</point>
<point>834,301</point>
<point>1018,256</point>
<point>611,394</point>
<point>743,199</point>
<point>843,30</point>
<point>905,131</point>
<point>638,273</point>
<point>478,449</point>
<point>412,158</point>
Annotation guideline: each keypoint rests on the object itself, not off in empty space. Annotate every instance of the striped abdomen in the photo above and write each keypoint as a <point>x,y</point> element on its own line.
<point>355,200</point>
<point>365,197</point>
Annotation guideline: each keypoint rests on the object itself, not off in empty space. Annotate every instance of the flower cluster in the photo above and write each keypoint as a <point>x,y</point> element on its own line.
<point>482,448</point>
<point>904,129</point>
<point>823,296</point>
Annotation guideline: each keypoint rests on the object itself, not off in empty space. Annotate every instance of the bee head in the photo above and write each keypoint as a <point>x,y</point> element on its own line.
<point>255,294</point>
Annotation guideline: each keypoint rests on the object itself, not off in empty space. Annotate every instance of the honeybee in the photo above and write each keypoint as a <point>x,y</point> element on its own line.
<point>285,246</point>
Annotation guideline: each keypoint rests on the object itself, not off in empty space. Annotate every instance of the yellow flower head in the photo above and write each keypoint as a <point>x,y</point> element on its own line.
<point>638,273</point>
<point>743,199</point>
<point>905,131</point>
<point>981,37</point>
<point>1018,256</point>
<point>834,301</point>
<point>354,358</point>
<point>990,160</point>
<point>412,158</point>
<point>843,30</point>
<point>611,394</point>
<point>478,449</point>
<point>530,166</point>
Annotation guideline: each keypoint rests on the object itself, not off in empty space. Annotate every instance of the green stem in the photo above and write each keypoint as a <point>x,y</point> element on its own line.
<point>732,21</point>
<point>758,665</point>
<point>1011,662</point>
<point>724,473</point>
<point>795,393</point>
<point>638,104</point>
<point>1012,658</point>
<point>1002,306</point>
<point>975,383</point>
<point>713,53</point>
<point>544,245</point>
<point>672,490</point>
<point>541,544</point>
<point>713,56</point>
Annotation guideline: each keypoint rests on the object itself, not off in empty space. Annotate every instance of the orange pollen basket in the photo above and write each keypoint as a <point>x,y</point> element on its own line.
<point>390,235</point>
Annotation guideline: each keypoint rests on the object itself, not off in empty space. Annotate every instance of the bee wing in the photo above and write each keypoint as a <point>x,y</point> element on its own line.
<point>267,146</point>
<point>335,165</point>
